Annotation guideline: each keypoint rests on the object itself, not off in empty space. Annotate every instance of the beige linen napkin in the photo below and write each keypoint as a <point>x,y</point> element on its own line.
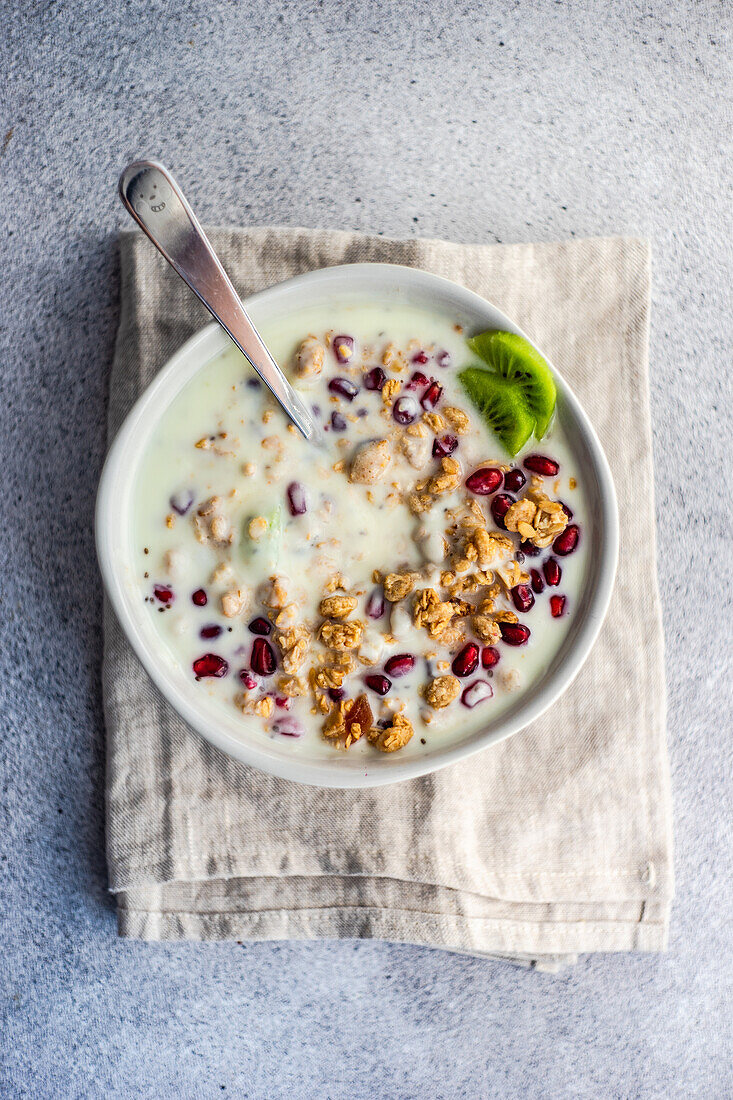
<point>552,843</point>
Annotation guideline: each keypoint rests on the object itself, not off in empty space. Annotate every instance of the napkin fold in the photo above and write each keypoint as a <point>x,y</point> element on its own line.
<point>552,843</point>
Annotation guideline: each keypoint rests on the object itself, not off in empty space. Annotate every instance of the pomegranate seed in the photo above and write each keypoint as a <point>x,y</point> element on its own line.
<point>540,464</point>
<point>378,683</point>
<point>567,510</point>
<point>500,505</point>
<point>522,597</point>
<point>557,606</point>
<point>248,679</point>
<point>283,701</point>
<point>210,665</point>
<point>212,631</point>
<point>529,549</point>
<point>444,446</point>
<point>163,593</point>
<point>336,694</point>
<point>538,584</point>
<point>297,498</point>
<point>416,380</point>
<point>477,693</point>
<point>200,598</point>
<point>375,604</point>
<point>514,480</point>
<point>405,410</point>
<point>552,571</point>
<point>466,662</point>
<point>565,543</point>
<point>182,501</point>
<point>344,387</point>
<point>343,348</point>
<point>432,396</point>
<point>338,422</point>
<point>375,379</point>
<point>419,357</point>
<point>490,656</point>
<point>288,727</point>
<point>260,626</point>
<point>263,657</point>
<point>443,359</point>
<point>485,481</point>
<point>514,633</point>
<point>399,665</point>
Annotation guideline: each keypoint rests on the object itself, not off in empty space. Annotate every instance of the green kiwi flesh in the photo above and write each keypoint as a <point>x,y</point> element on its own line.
<point>501,404</point>
<point>515,359</point>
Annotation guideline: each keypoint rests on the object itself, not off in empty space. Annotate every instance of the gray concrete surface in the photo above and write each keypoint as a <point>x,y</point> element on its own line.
<point>471,121</point>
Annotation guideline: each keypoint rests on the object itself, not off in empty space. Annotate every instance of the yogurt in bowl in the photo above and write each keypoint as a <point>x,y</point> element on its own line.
<point>373,609</point>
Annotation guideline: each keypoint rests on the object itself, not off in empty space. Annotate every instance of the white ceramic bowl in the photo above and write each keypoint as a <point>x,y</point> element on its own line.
<point>243,738</point>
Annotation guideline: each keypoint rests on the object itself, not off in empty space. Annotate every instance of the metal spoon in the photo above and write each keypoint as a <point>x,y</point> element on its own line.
<point>157,204</point>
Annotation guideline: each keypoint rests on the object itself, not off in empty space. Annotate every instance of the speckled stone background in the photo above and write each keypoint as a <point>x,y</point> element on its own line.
<point>471,121</point>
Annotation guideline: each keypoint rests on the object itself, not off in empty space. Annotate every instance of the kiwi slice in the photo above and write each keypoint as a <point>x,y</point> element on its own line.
<point>502,405</point>
<point>514,358</point>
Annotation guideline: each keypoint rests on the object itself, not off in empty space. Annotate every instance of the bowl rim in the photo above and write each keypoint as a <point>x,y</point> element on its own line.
<point>323,773</point>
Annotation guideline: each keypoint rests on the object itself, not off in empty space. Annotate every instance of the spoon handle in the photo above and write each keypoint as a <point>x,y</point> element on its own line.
<point>156,202</point>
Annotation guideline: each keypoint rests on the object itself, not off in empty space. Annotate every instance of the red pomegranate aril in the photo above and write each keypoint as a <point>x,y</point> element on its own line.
<point>338,422</point>
<point>180,502</point>
<point>466,662</point>
<point>529,549</point>
<point>336,694</point>
<point>297,498</point>
<point>375,604</point>
<point>566,509</point>
<point>163,593</point>
<point>565,543</point>
<point>419,357</point>
<point>514,633</point>
<point>514,480</point>
<point>444,446</point>
<point>199,597</point>
<point>212,631</point>
<point>490,656</point>
<point>283,701</point>
<point>375,379</point>
<point>378,683</point>
<point>288,727</point>
<point>344,387</point>
<point>263,657</point>
<point>260,625</point>
<point>500,505</point>
<point>432,396</point>
<point>538,585</point>
<point>557,606</point>
<point>443,359</point>
<point>343,348</point>
<point>485,481</point>
<point>416,380</point>
<point>522,597</point>
<point>552,571</point>
<point>405,410</point>
<point>542,465</point>
<point>399,665</point>
<point>477,693</point>
<point>211,664</point>
<point>248,680</point>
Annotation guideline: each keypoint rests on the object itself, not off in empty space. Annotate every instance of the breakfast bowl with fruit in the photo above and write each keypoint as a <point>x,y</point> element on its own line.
<point>426,581</point>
